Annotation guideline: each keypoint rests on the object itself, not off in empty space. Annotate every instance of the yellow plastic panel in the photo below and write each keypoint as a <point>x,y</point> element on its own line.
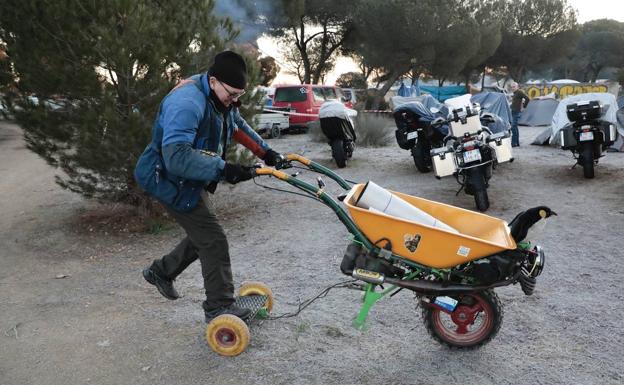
<point>480,235</point>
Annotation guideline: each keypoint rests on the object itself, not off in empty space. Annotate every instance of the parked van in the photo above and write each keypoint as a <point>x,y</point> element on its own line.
<point>305,99</point>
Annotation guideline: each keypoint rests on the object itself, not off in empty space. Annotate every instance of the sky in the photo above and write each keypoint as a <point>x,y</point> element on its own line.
<point>587,10</point>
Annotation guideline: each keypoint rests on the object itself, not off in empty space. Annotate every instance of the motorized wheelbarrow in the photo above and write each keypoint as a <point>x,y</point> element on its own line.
<point>451,269</point>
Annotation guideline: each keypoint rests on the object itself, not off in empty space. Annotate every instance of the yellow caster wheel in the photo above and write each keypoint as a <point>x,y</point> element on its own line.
<point>257,288</point>
<point>227,335</point>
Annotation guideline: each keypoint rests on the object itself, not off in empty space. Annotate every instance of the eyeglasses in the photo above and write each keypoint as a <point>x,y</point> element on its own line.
<point>233,95</point>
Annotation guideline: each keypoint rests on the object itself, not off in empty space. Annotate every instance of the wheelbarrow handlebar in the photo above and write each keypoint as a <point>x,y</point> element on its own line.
<point>319,191</point>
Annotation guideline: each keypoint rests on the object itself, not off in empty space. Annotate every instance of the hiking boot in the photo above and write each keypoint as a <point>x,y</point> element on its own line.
<point>233,309</point>
<point>164,286</point>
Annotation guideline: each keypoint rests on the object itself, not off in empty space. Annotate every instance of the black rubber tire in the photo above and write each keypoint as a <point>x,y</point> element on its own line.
<point>587,159</point>
<point>421,158</point>
<point>338,153</point>
<point>275,131</point>
<point>481,200</point>
<point>492,320</point>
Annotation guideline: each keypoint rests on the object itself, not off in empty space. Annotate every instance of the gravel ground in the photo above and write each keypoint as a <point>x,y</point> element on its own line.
<point>74,308</point>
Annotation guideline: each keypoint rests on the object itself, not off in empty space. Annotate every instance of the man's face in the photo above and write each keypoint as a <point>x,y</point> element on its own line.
<point>226,94</point>
<point>514,87</point>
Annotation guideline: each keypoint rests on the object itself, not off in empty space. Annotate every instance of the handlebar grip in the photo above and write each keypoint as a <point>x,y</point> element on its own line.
<point>270,171</point>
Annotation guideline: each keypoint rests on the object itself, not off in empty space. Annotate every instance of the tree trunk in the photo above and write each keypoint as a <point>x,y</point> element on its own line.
<point>483,78</point>
<point>384,90</point>
<point>595,73</point>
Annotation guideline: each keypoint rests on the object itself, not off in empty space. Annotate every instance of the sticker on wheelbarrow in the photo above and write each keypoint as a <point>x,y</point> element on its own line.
<point>411,242</point>
<point>463,251</point>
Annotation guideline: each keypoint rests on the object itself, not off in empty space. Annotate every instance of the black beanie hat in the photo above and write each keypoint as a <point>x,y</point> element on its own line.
<point>230,68</point>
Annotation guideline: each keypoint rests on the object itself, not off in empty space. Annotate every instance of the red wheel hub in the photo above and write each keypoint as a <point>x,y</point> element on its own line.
<point>464,316</point>
<point>469,323</point>
<point>226,337</point>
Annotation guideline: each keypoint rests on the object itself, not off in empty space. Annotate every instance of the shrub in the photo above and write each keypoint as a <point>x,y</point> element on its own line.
<point>374,130</point>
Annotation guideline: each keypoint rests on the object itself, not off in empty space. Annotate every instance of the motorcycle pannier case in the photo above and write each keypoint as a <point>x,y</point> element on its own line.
<point>567,138</point>
<point>501,144</point>
<point>610,133</point>
<point>443,160</point>
<point>584,111</point>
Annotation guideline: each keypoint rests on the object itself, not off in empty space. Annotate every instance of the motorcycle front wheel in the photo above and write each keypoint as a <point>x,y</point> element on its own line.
<point>338,153</point>
<point>477,318</point>
<point>587,159</point>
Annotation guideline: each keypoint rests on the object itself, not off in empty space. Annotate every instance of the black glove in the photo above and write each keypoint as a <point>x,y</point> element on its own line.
<point>272,158</point>
<point>234,173</point>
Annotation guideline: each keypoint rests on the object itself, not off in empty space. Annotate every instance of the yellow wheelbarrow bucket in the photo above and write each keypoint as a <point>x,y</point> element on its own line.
<point>479,235</point>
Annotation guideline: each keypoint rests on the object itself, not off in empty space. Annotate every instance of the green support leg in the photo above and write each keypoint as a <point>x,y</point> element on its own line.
<point>370,297</point>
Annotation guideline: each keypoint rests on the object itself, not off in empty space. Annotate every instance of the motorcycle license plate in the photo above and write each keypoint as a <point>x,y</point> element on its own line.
<point>472,156</point>
<point>412,135</point>
<point>586,136</point>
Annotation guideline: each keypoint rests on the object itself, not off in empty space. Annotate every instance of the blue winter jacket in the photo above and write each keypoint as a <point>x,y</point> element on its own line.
<point>187,143</point>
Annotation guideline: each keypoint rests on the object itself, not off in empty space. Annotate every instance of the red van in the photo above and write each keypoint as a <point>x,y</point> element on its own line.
<point>304,99</point>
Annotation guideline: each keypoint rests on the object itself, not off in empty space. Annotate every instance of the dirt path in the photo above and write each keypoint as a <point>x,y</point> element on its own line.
<point>103,325</point>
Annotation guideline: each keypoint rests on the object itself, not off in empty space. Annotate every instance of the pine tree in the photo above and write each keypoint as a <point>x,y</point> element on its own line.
<point>91,76</point>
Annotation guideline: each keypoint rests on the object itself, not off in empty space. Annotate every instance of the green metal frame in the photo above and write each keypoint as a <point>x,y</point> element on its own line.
<point>371,296</point>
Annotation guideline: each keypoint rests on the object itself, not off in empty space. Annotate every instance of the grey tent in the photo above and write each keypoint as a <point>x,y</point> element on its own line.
<point>539,112</point>
<point>619,143</point>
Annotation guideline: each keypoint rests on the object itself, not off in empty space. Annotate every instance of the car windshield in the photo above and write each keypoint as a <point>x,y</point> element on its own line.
<point>291,94</point>
<point>330,94</point>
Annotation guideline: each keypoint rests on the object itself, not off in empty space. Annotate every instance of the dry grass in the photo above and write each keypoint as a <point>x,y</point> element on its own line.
<point>374,129</point>
<point>117,219</point>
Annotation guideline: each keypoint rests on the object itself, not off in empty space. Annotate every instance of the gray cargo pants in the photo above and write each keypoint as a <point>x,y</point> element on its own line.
<point>205,240</point>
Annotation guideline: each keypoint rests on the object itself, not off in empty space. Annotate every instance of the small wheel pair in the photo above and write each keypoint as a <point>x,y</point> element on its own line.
<point>229,335</point>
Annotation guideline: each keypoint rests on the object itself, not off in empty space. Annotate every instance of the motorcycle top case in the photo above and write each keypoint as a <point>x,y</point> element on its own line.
<point>584,111</point>
<point>469,125</point>
<point>444,163</point>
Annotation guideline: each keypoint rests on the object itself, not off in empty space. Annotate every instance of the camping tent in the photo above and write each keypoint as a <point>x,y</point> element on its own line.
<point>539,111</point>
<point>560,118</point>
<point>445,92</point>
<point>619,143</point>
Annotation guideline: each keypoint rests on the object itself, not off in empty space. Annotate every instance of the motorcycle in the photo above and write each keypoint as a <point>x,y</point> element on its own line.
<point>337,125</point>
<point>587,136</point>
<point>414,130</point>
<point>476,143</point>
